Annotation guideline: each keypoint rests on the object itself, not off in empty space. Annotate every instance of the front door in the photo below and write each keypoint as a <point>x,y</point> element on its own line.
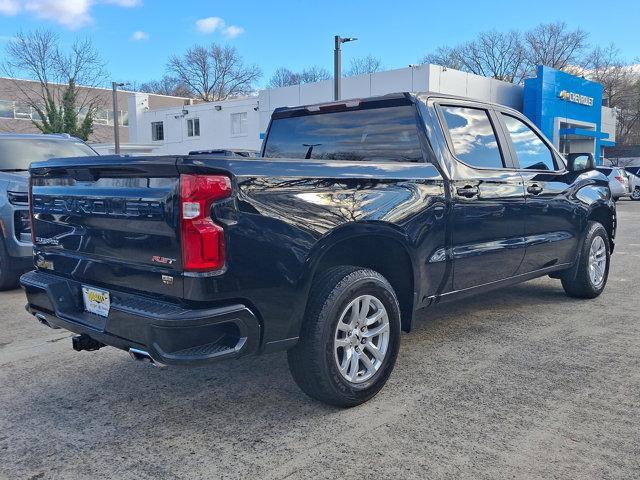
<point>551,227</point>
<point>487,225</point>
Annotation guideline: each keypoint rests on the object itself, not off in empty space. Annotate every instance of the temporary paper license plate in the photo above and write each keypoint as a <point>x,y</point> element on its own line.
<point>96,301</point>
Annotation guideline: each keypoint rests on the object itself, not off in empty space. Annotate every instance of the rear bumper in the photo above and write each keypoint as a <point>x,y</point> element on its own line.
<point>168,332</point>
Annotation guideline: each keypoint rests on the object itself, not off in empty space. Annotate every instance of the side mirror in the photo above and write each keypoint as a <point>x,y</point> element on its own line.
<point>580,162</point>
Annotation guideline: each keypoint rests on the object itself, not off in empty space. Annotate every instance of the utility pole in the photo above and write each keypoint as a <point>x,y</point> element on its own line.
<point>116,116</point>
<point>337,64</point>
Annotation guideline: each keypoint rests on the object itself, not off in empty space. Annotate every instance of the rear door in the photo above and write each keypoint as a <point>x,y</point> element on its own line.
<point>551,226</point>
<point>109,220</point>
<point>487,225</point>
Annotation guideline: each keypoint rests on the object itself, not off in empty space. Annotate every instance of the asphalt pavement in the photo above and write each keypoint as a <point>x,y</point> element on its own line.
<point>519,383</point>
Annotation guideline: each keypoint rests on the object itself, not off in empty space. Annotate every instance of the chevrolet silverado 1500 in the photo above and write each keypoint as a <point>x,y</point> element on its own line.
<point>357,215</point>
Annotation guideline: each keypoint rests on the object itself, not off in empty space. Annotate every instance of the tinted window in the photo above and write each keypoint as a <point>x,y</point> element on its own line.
<point>532,152</point>
<point>18,153</point>
<point>381,134</point>
<point>474,140</point>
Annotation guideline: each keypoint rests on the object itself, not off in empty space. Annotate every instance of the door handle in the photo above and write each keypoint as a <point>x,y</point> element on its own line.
<point>468,191</point>
<point>535,189</point>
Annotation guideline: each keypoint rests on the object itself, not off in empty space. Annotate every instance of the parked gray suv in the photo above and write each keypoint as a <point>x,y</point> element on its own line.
<point>17,151</point>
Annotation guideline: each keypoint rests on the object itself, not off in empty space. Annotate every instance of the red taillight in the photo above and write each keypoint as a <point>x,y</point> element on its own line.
<point>202,239</point>
<point>31,220</point>
<point>620,179</point>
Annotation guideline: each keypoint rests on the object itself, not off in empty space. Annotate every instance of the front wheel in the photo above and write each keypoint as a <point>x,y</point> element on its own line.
<point>349,339</point>
<point>593,265</point>
<point>635,195</point>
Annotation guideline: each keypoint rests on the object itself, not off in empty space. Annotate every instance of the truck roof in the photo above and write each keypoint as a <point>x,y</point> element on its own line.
<point>390,99</point>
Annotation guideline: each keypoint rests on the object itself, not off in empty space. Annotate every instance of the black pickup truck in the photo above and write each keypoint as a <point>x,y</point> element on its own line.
<point>358,214</point>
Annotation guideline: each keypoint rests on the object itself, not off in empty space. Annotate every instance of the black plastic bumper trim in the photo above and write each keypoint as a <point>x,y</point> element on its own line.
<point>169,332</point>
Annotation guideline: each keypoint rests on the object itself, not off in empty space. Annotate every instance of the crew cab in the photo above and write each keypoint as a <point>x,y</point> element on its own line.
<point>357,215</point>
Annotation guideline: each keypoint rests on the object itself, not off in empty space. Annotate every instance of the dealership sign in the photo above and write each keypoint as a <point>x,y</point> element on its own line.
<point>576,98</point>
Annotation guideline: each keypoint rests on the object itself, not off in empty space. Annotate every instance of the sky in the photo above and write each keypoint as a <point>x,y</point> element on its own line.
<point>136,37</point>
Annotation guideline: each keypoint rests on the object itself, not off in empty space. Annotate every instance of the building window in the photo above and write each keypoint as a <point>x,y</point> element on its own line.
<point>22,111</point>
<point>157,131</point>
<point>193,127</point>
<point>239,124</point>
<point>6,109</point>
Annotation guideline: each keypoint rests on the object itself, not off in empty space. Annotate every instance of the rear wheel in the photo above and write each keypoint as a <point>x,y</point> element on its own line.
<point>592,271</point>
<point>349,339</point>
<point>635,195</point>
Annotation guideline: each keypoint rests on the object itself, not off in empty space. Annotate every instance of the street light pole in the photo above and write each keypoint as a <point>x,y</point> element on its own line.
<point>116,127</point>
<point>337,64</point>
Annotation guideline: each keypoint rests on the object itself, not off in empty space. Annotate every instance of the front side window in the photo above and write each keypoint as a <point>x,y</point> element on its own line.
<point>376,134</point>
<point>472,135</point>
<point>193,127</point>
<point>532,152</point>
<point>239,123</point>
<point>157,131</point>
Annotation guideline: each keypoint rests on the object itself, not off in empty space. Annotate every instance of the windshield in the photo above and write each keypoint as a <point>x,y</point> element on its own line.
<point>18,153</point>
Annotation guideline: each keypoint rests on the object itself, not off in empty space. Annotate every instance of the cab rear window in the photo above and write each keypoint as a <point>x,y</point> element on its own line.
<point>369,135</point>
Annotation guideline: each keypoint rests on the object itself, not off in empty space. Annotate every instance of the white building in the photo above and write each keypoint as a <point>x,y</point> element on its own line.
<point>241,123</point>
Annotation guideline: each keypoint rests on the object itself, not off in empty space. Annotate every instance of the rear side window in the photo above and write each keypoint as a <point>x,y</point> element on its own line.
<point>532,152</point>
<point>473,137</point>
<point>379,134</point>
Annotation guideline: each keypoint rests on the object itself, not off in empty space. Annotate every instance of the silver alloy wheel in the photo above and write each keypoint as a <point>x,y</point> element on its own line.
<point>597,261</point>
<point>361,339</point>
<point>636,194</point>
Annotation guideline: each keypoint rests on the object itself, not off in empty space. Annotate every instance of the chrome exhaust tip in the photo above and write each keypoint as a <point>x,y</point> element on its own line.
<point>142,356</point>
<point>43,320</point>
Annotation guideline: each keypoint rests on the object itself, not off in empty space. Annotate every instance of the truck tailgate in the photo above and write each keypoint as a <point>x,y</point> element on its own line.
<point>109,220</point>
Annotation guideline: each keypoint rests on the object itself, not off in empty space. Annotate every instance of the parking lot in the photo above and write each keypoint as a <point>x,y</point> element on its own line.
<point>523,382</point>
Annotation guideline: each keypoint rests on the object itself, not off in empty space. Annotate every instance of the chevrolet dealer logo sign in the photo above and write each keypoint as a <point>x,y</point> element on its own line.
<point>576,98</point>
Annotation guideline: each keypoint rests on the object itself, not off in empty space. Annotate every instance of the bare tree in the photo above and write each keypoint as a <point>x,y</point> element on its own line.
<point>512,56</point>
<point>214,73</point>
<point>56,92</point>
<point>446,57</point>
<point>167,85</point>
<point>364,65</point>
<point>283,77</point>
<point>554,45</point>
<point>314,74</point>
<point>606,66</point>
<point>492,54</point>
<point>620,88</point>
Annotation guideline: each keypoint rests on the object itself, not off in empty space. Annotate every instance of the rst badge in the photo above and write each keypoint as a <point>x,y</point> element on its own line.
<point>163,260</point>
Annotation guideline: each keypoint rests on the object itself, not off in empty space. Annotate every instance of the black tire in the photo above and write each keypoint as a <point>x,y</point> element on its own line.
<point>578,283</point>
<point>312,362</point>
<point>8,276</point>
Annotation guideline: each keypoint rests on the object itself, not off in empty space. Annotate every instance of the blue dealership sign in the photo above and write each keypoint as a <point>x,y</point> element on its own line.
<point>565,106</point>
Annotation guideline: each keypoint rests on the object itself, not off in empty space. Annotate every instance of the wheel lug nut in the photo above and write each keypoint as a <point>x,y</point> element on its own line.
<point>363,341</point>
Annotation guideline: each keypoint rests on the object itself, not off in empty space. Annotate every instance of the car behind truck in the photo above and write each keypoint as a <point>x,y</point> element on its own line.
<point>358,215</point>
